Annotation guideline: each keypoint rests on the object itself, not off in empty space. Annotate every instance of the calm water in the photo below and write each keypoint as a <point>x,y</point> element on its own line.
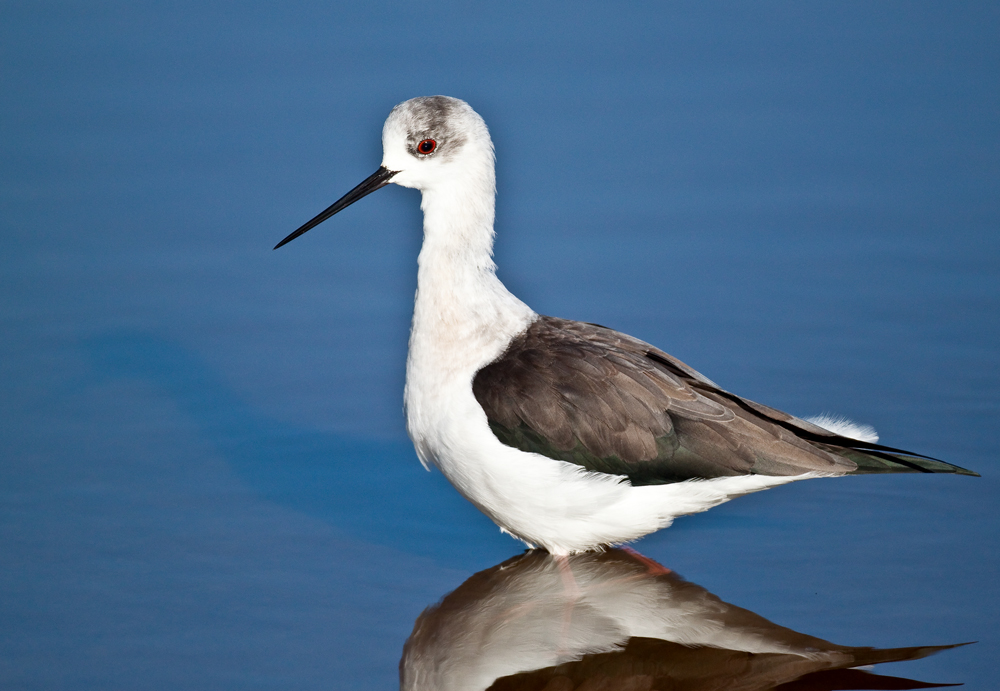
<point>206,482</point>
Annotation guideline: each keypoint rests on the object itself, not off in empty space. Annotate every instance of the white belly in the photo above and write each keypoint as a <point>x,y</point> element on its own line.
<point>544,502</point>
<point>462,321</point>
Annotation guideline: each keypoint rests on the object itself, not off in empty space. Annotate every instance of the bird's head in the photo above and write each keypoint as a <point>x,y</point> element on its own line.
<point>435,139</point>
<point>429,143</point>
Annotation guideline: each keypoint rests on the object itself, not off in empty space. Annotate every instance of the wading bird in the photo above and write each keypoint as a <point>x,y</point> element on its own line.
<point>569,435</point>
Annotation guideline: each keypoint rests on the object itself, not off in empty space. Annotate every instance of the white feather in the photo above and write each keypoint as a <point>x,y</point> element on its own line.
<point>844,427</point>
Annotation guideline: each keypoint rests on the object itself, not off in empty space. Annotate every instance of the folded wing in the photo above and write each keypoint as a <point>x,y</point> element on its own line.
<point>611,403</point>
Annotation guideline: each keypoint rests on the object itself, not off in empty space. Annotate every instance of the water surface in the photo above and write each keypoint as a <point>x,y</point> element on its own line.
<point>206,481</point>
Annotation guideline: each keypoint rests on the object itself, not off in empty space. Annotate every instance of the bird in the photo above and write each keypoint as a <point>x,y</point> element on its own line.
<point>619,620</point>
<point>569,435</point>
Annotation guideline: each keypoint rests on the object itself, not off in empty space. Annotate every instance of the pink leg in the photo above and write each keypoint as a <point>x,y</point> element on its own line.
<point>572,593</point>
<point>652,567</point>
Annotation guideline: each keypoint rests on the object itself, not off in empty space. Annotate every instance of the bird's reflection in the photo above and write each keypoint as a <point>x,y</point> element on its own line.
<point>617,620</point>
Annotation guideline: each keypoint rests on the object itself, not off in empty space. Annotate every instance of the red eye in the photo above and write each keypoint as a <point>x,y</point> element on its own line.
<point>427,146</point>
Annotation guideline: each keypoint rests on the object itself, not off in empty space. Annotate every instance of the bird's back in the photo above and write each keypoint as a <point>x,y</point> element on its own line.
<point>611,403</point>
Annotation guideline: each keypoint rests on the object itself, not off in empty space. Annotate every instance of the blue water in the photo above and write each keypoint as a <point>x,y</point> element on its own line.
<point>205,480</point>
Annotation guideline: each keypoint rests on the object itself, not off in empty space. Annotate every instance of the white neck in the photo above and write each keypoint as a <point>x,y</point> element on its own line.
<point>464,317</point>
<point>462,309</point>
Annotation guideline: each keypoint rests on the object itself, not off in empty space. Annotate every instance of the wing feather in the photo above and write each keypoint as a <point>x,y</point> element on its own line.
<point>611,403</point>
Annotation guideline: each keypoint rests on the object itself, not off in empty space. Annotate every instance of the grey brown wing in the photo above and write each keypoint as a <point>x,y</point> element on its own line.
<point>610,403</point>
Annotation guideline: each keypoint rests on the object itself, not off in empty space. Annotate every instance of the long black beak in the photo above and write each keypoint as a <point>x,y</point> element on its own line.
<point>379,179</point>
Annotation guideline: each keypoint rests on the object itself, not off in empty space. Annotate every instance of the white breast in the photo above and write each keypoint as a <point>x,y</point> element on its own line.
<point>544,502</point>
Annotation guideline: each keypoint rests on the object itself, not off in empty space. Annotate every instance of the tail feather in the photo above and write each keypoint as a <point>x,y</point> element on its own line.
<point>876,656</point>
<point>894,461</point>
